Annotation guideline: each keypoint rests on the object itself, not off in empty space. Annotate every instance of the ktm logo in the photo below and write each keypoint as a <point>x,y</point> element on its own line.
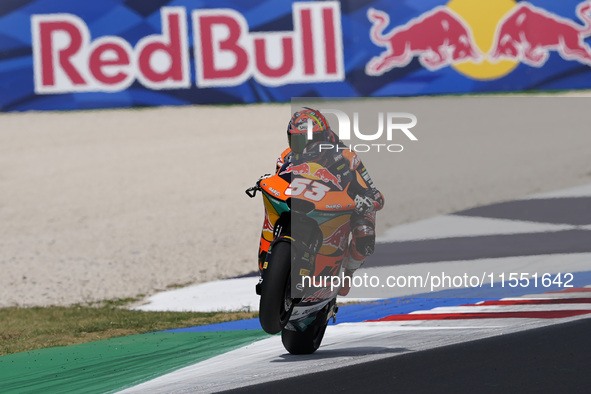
<point>483,40</point>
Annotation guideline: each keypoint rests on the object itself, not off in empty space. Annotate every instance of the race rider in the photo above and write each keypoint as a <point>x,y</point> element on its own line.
<point>367,198</point>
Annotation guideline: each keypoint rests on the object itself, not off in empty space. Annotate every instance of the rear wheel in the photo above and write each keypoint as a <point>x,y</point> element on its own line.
<point>276,303</point>
<point>308,341</point>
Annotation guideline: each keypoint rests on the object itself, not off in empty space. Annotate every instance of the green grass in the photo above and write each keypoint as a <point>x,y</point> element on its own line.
<point>24,329</point>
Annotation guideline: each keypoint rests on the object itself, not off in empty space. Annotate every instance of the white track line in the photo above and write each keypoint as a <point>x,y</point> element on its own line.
<point>447,226</point>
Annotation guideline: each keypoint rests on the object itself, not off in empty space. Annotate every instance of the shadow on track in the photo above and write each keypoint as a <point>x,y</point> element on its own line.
<point>350,352</point>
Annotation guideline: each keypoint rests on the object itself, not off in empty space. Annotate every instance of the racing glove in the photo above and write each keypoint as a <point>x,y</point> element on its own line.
<point>364,204</point>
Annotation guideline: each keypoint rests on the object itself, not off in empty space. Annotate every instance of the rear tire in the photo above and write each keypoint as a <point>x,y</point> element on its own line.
<point>308,341</point>
<point>276,304</point>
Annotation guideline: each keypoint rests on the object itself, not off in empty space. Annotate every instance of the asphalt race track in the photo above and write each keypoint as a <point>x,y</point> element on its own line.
<point>513,336</point>
<point>478,354</point>
<point>552,359</point>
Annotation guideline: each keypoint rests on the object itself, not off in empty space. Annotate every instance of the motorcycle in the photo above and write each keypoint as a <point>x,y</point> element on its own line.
<point>307,216</point>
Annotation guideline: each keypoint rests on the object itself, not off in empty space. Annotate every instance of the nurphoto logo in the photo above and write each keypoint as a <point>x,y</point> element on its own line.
<point>390,125</point>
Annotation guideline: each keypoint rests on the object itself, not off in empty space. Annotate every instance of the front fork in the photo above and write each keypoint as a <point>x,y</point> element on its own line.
<point>283,238</point>
<point>303,254</point>
<point>332,311</point>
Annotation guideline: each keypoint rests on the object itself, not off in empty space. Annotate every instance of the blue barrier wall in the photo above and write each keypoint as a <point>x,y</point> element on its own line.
<point>66,54</point>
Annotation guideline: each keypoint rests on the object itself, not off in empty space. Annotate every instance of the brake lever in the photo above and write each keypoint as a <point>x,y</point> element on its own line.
<point>252,191</point>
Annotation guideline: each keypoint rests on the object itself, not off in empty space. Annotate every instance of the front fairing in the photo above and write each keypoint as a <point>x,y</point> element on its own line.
<point>311,182</point>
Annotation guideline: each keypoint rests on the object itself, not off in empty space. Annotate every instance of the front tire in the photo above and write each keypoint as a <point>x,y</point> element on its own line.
<point>308,341</point>
<point>276,304</point>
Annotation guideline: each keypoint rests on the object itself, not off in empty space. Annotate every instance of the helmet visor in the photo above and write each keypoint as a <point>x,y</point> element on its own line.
<point>298,142</point>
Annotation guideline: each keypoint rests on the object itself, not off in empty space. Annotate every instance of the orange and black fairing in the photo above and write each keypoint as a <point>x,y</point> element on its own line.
<point>325,192</point>
<point>274,200</point>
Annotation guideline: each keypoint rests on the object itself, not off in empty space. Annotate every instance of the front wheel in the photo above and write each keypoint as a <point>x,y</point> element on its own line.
<point>276,304</point>
<point>307,341</point>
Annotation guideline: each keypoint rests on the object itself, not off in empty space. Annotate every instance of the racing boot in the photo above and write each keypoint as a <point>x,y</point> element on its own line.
<point>346,285</point>
<point>348,275</point>
<point>353,264</point>
<point>362,245</point>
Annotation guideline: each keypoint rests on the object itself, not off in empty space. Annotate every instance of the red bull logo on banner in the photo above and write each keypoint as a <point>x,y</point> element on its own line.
<point>529,33</point>
<point>61,55</point>
<point>483,40</point>
<point>226,53</point>
<point>439,38</point>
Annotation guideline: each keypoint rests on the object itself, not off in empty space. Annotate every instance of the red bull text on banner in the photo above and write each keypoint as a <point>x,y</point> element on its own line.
<point>72,55</point>
<point>66,59</point>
